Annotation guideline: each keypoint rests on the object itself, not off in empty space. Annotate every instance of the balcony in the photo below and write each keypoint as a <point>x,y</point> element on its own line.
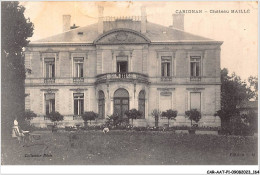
<point>197,78</point>
<point>78,79</point>
<point>166,78</point>
<point>49,80</point>
<point>122,76</point>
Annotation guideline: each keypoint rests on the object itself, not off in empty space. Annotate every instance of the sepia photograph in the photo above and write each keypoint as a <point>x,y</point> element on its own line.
<point>130,83</point>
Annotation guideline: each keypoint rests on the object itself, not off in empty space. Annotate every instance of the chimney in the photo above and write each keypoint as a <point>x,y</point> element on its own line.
<point>178,21</point>
<point>100,19</point>
<point>66,22</point>
<point>143,19</point>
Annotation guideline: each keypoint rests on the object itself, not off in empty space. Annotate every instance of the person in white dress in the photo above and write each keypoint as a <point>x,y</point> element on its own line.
<point>16,127</point>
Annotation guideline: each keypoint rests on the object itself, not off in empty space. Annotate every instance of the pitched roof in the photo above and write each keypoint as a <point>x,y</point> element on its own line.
<point>155,32</point>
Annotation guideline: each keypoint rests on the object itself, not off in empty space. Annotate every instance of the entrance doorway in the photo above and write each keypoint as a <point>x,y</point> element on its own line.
<point>121,102</point>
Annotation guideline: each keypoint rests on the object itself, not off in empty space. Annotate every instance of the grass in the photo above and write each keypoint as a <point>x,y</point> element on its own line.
<point>132,148</point>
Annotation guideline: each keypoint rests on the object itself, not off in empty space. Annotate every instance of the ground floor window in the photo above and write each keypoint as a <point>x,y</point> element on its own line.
<point>49,103</point>
<point>101,104</point>
<point>141,103</point>
<point>78,103</point>
<point>195,100</point>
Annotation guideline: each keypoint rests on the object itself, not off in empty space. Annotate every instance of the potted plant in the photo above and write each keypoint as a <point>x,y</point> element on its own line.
<point>133,114</point>
<point>193,115</point>
<point>170,114</point>
<point>88,116</point>
<point>55,117</point>
<point>156,113</point>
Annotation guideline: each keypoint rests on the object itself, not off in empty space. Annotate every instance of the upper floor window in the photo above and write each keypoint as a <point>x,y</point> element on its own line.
<point>166,66</point>
<point>122,64</point>
<point>195,68</point>
<point>49,69</point>
<point>78,67</point>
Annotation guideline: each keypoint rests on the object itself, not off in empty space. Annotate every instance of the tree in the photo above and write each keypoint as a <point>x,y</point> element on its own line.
<point>169,114</point>
<point>88,116</point>
<point>55,117</point>
<point>194,115</point>
<point>253,81</point>
<point>133,114</point>
<point>233,92</point>
<point>28,115</point>
<point>156,113</point>
<point>15,29</point>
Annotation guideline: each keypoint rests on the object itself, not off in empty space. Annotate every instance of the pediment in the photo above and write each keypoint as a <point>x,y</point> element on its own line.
<point>122,36</point>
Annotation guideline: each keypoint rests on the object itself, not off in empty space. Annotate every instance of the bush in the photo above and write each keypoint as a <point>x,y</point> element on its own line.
<point>133,114</point>
<point>169,114</point>
<point>55,117</point>
<point>88,116</point>
<point>194,115</point>
<point>28,115</point>
<point>114,121</point>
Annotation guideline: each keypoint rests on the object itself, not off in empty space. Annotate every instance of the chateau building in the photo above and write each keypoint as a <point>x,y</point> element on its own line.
<point>121,63</point>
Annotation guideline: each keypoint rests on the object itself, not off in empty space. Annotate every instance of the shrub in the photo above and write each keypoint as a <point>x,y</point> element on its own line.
<point>194,115</point>
<point>156,113</point>
<point>55,117</point>
<point>115,120</point>
<point>133,114</point>
<point>169,114</point>
<point>28,115</point>
<point>88,116</point>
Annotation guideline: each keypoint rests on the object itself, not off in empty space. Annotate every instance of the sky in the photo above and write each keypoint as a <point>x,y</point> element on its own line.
<point>238,31</point>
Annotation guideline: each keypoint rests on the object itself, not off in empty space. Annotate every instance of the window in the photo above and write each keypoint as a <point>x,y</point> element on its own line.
<point>195,100</point>
<point>195,66</point>
<point>49,103</point>
<point>141,103</point>
<point>166,66</point>
<point>49,69</point>
<point>78,67</point>
<point>101,104</point>
<point>122,64</point>
<point>78,103</point>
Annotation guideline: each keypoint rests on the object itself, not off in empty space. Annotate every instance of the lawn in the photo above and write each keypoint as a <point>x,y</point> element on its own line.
<point>131,148</point>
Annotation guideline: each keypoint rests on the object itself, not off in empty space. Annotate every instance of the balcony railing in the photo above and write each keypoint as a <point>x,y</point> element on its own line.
<point>49,80</point>
<point>78,79</point>
<point>166,78</point>
<point>122,76</point>
<point>197,78</point>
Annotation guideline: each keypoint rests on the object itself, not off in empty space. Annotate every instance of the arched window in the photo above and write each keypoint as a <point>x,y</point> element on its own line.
<point>141,102</point>
<point>121,102</point>
<point>101,104</point>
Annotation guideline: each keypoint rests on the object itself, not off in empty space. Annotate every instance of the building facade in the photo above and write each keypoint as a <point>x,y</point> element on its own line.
<point>119,64</point>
